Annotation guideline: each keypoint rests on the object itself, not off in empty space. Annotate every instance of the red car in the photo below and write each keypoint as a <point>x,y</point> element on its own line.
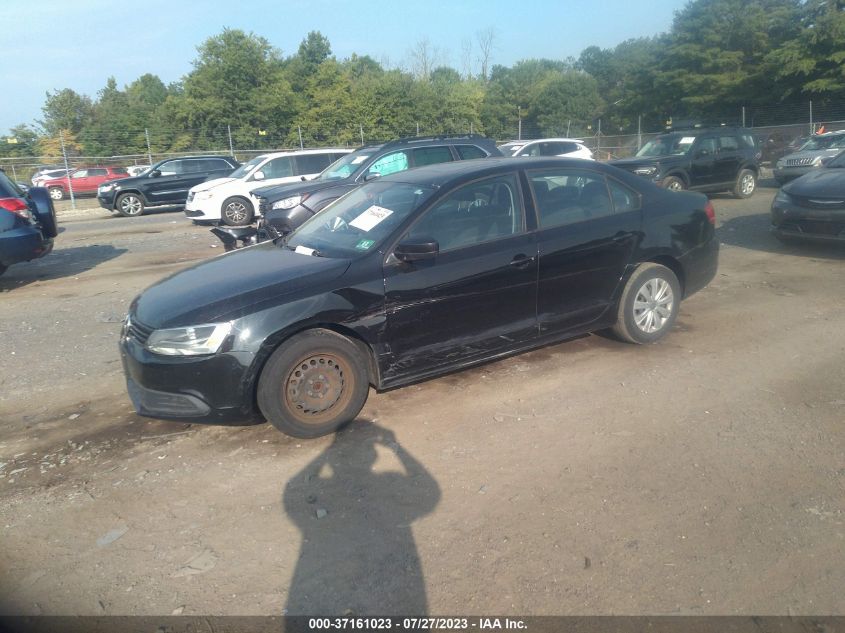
<point>84,181</point>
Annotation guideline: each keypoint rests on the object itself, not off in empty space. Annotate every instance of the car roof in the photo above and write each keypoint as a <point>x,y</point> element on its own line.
<point>546,140</point>
<point>445,173</point>
<point>306,152</point>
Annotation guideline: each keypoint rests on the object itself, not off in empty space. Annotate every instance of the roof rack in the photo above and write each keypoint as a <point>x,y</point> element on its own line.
<point>427,139</point>
<point>700,125</point>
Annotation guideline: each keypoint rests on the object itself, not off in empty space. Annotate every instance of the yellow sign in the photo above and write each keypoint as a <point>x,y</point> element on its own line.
<point>12,140</point>
<point>262,132</point>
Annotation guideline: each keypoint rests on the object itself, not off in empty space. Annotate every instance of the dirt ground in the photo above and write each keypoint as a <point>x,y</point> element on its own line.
<point>701,475</point>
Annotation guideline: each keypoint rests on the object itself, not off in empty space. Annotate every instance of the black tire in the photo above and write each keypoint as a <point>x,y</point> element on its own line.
<point>130,205</point>
<point>57,193</point>
<point>44,211</point>
<point>746,184</point>
<point>673,183</point>
<point>237,211</point>
<point>632,322</point>
<point>310,366</point>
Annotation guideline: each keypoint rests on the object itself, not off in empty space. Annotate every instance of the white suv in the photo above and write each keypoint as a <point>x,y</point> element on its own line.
<point>569,147</point>
<point>227,200</point>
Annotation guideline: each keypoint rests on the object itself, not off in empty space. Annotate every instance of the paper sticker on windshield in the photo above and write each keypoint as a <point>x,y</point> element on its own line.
<point>359,159</point>
<point>304,250</point>
<point>371,218</point>
<point>365,245</point>
<point>686,140</point>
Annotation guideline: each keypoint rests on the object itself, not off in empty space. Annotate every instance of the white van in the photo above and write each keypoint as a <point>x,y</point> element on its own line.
<point>227,200</point>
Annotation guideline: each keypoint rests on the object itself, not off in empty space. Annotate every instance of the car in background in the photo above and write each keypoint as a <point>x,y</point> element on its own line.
<point>699,159</point>
<point>27,223</point>
<point>410,276</point>
<point>777,144</point>
<point>568,147</point>
<point>812,207</point>
<point>84,181</point>
<point>43,176</point>
<point>285,207</point>
<point>811,155</point>
<point>42,169</point>
<point>166,183</point>
<point>228,199</point>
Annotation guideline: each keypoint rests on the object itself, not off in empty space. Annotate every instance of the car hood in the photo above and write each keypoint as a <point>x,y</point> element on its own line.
<point>821,183</point>
<point>277,192</point>
<point>211,184</point>
<point>813,153</point>
<point>222,288</point>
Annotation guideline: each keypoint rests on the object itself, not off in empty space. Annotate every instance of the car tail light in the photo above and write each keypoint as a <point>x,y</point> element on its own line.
<point>17,206</point>
<point>711,213</point>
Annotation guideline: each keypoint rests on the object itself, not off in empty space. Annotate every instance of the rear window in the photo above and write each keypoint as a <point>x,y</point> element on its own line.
<point>8,189</point>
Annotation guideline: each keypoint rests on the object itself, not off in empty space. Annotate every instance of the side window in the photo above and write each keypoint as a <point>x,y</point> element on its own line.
<point>312,163</point>
<point>216,164</point>
<point>728,144</point>
<point>278,168</point>
<point>707,144</point>
<point>194,166</point>
<point>80,173</point>
<point>624,199</point>
<point>468,152</point>
<point>550,149</point>
<point>567,196</point>
<point>389,164</point>
<point>531,150</point>
<point>475,213</point>
<point>97,172</point>
<point>172,167</point>
<point>120,170</point>
<point>431,155</point>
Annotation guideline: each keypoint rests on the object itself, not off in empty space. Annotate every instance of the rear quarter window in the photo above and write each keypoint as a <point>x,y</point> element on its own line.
<point>431,155</point>
<point>468,152</point>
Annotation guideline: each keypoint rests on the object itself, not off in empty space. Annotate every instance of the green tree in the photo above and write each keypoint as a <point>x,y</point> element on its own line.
<point>66,110</point>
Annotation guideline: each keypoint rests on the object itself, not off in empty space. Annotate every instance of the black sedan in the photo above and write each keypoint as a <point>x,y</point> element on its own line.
<point>410,276</point>
<point>27,223</point>
<point>812,207</point>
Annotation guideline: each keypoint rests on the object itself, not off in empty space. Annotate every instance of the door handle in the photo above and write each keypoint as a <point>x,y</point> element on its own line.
<point>521,261</point>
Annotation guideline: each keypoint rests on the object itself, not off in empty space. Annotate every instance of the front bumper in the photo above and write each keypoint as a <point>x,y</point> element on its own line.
<point>106,199</point>
<point>22,245</point>
<point>214,389</point>
<point>194,211</point>
<point>791,221</point>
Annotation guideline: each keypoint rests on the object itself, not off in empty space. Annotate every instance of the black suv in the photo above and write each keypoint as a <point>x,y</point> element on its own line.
<point>166,182</point>
<point>701,159</point>
<point>285,207</point>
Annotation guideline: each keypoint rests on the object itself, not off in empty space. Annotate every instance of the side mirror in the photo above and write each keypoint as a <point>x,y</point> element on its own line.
<point>371,176</point>
<point>155,173</point>
<point>416,250</point>
<point>259,175</point>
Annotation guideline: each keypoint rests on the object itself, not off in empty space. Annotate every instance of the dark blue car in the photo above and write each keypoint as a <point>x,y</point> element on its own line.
<point>27,223</point>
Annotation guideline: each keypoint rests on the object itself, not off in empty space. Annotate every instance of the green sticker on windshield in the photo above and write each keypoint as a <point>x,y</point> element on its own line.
<point>365,245</point>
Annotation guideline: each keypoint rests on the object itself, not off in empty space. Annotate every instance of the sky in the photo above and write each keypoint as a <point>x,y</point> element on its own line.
<point>80,44</point>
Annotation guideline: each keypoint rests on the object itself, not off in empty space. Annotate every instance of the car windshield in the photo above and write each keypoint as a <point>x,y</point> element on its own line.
<point>343,167</point>
<point>360,221</point>
<point>824,142</point>
<point>246,168</point>
<point>668,145</point>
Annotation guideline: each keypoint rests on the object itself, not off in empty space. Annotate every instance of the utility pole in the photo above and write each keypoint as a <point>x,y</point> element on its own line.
<point>362,133</point>
<point>149,152</point>
<point>519,129</point>
<point>812,127</point>
<point>301,146</point>
<point>743,116</point>
<point>231,146</point>
<point>639,132</point>
<point>67,169</point>
<point>568,125</point>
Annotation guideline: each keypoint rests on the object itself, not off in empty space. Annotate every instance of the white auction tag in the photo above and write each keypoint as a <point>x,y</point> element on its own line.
<point>304,250</point>
<point>359,159</point>
<point>686,140</point>
<point>371,218</point>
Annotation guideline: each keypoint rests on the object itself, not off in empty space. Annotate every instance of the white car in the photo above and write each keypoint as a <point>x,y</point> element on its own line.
<point>137,170</point>
<point>227,200</point>
<point>44,176</point>
<point>568,147</point>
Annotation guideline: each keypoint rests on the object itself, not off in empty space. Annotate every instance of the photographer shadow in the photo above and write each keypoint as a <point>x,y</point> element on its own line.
<point>354,505</point>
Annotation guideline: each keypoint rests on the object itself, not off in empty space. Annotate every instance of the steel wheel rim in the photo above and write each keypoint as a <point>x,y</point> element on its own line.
<point>653,305</point>
<point>675,186</point>
<point>236,211</point>
<point>318,386</point>
<point>747,184</point>
<point>130,205</point>
<point>56,194</point>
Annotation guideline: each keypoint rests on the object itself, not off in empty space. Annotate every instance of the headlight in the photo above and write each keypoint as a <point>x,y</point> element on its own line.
<point>189,341</point>
<point>288,203</point>
<point>645,171</point>
<point>202,195</point>
<point>105,188</point>
<point>781,197</point>
<point>817,161</point>
<point>779,164</point>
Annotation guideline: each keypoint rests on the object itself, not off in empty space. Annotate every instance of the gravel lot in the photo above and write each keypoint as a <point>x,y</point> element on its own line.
<point>702,475</point>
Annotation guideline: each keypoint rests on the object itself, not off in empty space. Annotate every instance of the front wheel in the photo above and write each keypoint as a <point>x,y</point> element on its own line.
<point>130,205</point>
<point>746,183</point>
<point>313,384</point>
<point>649,305</point>
<point>236,211</point>
<point>57,193</point>
<point>673,183</point>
